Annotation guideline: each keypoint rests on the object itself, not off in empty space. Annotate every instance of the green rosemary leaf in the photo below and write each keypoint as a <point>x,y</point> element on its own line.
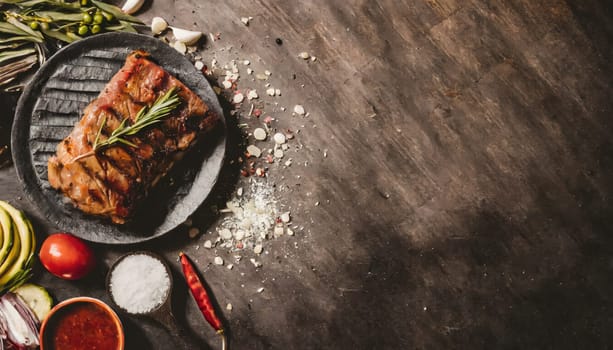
<point>145,117</point>
<point>126,142</point>
<point>99,132</point>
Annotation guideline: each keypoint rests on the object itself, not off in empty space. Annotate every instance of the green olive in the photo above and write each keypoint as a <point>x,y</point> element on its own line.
<point>84,2</point>
<point>44,26</point>
<point>83,30</point>
<point>96,29</point>
<point>98,18</point>
<point>87,18</point>
<point>34,25</point>
<point>108,16</point>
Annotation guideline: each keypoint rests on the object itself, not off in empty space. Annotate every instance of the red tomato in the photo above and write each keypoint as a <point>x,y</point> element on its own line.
<point>67,256</point>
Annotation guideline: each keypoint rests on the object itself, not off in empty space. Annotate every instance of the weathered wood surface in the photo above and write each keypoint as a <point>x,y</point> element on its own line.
<point>466,193</point>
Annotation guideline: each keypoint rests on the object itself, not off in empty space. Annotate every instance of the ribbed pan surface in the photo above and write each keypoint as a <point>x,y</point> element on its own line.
<point>54,101</point>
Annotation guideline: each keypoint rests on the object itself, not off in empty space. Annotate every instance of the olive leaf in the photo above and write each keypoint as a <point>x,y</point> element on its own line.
<point>12,54</point>
<point>116,11</point>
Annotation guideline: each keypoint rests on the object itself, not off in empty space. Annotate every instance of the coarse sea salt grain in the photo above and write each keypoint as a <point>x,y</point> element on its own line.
<point>259,134</point>
<point>139,283</point>
<point>279,138</point>
<point>238,98</point>
<point>298,109</point>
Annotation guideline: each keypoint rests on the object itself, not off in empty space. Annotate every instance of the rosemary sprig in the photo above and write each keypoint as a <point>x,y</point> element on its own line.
<point>146,117</point>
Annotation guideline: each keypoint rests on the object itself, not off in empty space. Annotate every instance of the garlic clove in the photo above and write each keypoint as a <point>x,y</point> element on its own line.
<point>188,37</point>
<point>132,6</point>
<point>158,25</point>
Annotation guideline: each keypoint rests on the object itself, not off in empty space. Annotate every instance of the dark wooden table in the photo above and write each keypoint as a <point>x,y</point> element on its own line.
<point>465,191</point>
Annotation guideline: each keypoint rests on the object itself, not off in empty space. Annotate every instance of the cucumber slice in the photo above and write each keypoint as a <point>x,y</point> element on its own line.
<point>37,298</point>
<point>18,270</point>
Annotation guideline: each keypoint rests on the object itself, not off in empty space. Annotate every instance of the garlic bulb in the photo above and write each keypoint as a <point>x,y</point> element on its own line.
<point>158,25</point>
<point>132,6</point>
<point>187,37</point>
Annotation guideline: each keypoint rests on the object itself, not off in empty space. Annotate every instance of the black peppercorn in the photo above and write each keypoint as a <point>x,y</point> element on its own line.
<point>279,41</point>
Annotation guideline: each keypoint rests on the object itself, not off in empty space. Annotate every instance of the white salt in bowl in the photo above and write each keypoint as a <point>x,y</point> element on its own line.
<point>139,283</point>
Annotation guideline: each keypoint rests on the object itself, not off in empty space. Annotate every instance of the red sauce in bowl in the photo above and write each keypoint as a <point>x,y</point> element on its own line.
<point>82,325</point>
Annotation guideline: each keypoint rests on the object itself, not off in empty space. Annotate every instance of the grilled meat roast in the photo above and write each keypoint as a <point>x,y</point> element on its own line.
<point>114,180</point>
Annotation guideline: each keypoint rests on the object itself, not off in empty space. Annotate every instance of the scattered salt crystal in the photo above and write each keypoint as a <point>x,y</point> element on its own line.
<point>230,266</point>
<point>238,98</point>
<point>288,162</point>
<point>316,204</point>
<point>252,94</point>
<point>260,290</point>
<point>261,76</point>
<point>246,62</point>
<point>254,151</point>
<point>278,92</point>
<point>199,65</point>
<point>278,231</point>
<point>267,72</point>
<point>298,109</point>
<point>258,249</point>
<point>193,232</point>
<point>239,235</point>
<point>255,263</point>
<point>285,217</point>
<point>246,20</point>
<point>304,55</point>
<point>278,153</point>
<point>282,109</point>
<point>225,233</point>
<point>313,59</point>
<point>290,232</point>
<point>218,260</point>
<point>259,134</point>
<point>139,283</point>
<point>279,138</point>
<point>229,306</point>
<point>208,244</point>
<point>226,84</point>
<point>284,147</point>
<point>270,92</point>
<point>249,71</point>
<point>239,192</point>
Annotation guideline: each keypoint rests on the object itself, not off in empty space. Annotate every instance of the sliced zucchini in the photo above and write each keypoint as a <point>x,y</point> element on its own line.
<point>19,270</point>
<point>37,298</point>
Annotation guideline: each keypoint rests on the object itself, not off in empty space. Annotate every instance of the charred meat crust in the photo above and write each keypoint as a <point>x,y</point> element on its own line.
<point>115,180</point>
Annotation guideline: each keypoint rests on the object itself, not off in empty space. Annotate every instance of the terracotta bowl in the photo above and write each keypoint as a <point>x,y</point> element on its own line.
<point>69,309</point>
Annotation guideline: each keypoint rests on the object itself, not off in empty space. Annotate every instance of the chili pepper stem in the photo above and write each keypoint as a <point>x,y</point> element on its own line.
<point>224,341</point>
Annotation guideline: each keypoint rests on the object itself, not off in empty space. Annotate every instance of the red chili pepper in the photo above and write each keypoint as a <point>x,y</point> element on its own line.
<point>201,296</point>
